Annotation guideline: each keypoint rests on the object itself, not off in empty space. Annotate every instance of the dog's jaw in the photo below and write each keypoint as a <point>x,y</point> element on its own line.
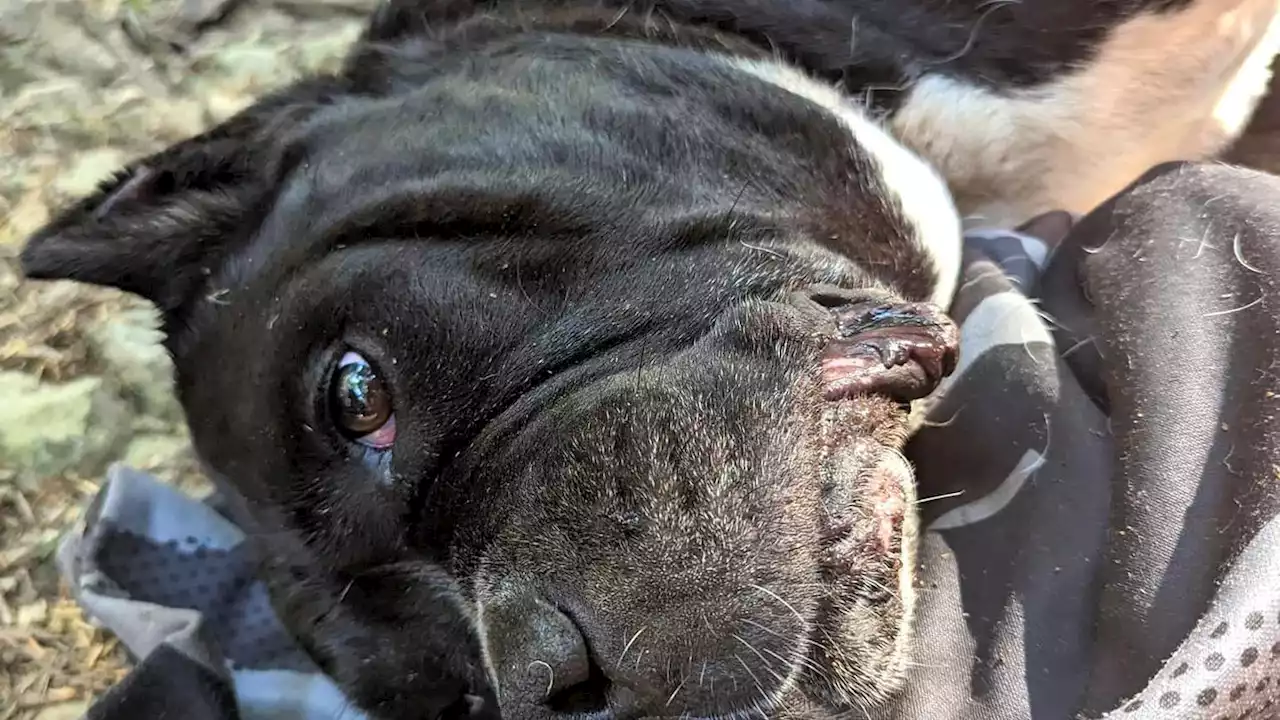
<point>898,467</point>
<point>896,470</point>
<point>873,534</point>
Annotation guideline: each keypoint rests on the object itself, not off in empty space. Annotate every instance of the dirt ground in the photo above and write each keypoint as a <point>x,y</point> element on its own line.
<point>84,86</point>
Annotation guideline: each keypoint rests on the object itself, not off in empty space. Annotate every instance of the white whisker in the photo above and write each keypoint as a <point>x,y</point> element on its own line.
<point>627,647</point>
<point>787,605</point>
<point>745,666</point>
<point>551,681</point>
<point>944,496</point>
<point>767,666</point>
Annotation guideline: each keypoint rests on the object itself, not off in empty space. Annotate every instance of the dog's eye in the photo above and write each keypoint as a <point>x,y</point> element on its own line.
<point>362,403</point>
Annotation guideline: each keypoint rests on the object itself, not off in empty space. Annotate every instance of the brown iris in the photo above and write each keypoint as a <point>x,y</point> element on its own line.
<point>362,401</point>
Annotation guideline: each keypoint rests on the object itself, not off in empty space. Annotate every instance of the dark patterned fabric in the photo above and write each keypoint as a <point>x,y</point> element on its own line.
<point>168,686</point>
<point>1100,485</point>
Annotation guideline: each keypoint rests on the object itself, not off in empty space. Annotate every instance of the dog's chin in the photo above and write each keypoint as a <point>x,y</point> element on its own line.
<point>870,534</point>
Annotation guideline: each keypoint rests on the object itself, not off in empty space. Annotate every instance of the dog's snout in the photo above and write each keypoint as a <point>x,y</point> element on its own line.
<point>550,665</point>
<point>882,344</point>
<point>667,567</point>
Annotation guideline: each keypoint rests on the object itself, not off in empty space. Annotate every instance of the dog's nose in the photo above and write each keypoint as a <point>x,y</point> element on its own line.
<point>551,665</point>
<point>544,666</point>
<point>883,344</point>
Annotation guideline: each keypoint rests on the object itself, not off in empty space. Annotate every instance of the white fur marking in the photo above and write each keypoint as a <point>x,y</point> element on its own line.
<point>921,194</point>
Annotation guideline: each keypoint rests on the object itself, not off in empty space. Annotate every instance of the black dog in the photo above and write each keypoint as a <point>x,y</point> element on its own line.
<point>563,353</point>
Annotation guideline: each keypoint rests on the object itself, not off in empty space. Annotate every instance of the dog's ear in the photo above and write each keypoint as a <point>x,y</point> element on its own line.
<point>158,227</point>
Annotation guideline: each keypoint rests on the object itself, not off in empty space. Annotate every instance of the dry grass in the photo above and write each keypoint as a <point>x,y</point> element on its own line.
<point>42,326</point>
<point>56,111</point>
<point>53,662</point>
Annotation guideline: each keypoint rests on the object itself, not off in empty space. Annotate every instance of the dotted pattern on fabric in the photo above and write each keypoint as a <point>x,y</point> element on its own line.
<point>219,584</point>
<point>1229,667</point>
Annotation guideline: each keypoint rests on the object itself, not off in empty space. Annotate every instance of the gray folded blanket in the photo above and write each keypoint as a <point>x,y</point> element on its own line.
<point>1100,483</point>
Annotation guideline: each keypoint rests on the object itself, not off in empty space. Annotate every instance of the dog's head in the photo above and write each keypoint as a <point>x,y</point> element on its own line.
<point>540,393</point>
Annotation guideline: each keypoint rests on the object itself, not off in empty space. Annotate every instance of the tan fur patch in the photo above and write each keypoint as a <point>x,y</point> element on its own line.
<point>1178,86</point>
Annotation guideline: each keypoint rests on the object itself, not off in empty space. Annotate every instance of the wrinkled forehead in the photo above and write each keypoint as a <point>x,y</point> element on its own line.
<point>356,175</point>
<point>356,167</point>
